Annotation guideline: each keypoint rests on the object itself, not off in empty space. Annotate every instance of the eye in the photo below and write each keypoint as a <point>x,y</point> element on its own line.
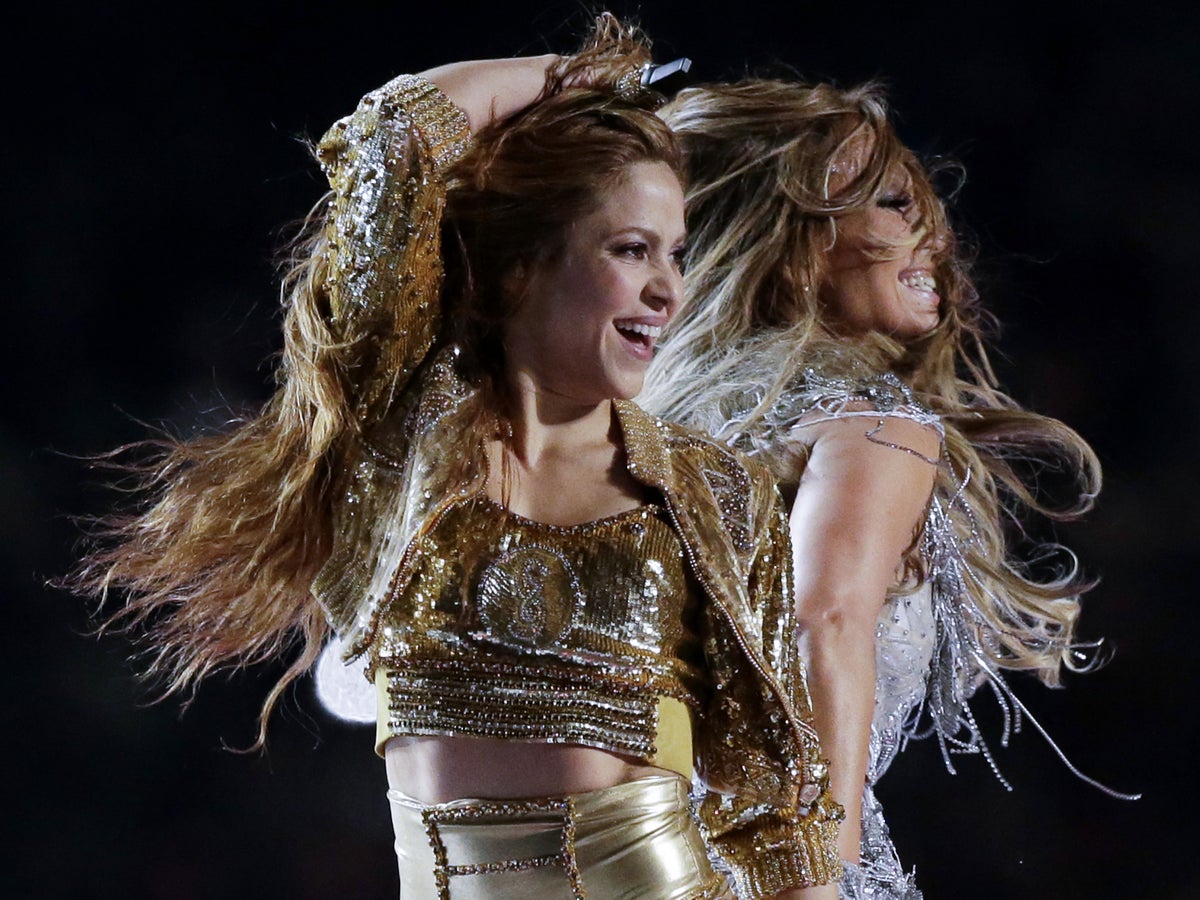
<point>633,250</point>
<point>899,202</point>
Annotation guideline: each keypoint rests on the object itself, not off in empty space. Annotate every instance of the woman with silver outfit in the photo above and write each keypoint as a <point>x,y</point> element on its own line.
<point>833,331</point>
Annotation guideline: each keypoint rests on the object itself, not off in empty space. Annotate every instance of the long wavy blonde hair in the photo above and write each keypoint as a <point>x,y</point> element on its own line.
<point>762,216</point>
<point>215,563</point>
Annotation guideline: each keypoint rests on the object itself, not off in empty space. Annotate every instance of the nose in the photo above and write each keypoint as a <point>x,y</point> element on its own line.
<point>935,243</point>
<point>664,289</point>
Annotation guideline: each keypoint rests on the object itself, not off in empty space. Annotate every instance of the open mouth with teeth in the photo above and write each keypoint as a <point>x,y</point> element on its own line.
<point>639,337</point>
<point>923,284</point>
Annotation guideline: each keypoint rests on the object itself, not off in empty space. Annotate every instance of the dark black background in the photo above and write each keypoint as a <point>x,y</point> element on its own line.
<point>150,160</point>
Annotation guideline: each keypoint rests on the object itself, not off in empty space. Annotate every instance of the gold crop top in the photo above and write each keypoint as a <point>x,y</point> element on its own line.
<point>516,629</point>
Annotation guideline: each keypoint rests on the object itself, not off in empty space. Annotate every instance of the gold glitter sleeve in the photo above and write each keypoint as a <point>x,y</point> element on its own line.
<point>383,276</point>
<point>769,847</point>
<point>385,163</point>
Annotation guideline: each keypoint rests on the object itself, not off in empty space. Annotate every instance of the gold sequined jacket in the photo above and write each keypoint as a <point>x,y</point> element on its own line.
<point>764,804</point>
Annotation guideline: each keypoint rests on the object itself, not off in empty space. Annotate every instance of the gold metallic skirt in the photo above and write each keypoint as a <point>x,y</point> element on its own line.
<point>635,841</point>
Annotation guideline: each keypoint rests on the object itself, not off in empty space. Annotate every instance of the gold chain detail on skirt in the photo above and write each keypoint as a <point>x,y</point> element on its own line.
<point>634,840</point>
<point>508,811</point>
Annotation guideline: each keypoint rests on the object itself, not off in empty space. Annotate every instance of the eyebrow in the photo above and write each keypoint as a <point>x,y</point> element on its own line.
<point>648,233</point>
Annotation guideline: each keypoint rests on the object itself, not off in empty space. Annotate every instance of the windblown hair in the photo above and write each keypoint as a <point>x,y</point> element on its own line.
<point>217,561</point>
<point>763,161</point>
<point>512,198</point>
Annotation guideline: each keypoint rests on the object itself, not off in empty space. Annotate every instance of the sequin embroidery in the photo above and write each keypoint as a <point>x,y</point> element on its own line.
<point>512,628</point>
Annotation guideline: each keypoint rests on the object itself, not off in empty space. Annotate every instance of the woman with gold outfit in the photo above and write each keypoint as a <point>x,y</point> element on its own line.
<point>833,331</point>
<point>565,604</point>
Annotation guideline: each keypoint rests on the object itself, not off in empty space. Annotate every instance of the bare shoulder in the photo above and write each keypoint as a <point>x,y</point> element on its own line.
<point>864,491</point>
<point>862,435</point>
<point>876,463</point>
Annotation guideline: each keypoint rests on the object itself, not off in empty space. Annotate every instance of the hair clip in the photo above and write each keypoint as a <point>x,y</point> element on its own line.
<point>669,78</point>
<point>649,83</point>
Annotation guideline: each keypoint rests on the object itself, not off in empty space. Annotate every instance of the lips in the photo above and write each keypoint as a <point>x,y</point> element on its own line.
<point>639,336</point>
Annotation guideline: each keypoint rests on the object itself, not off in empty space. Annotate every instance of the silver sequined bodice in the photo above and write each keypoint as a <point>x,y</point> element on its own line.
<point>904,644</point>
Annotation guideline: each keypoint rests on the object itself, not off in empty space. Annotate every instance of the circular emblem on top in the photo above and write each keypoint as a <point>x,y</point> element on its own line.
<point>526,597</point>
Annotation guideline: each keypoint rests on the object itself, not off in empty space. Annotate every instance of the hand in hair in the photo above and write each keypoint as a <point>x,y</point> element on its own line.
<point>489,90</point>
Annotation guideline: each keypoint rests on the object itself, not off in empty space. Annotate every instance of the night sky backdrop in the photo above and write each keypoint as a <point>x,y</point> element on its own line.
<point>152,156</point>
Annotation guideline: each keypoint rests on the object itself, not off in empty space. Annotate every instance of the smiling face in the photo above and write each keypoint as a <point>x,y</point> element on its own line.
<point>881,270</point>
<point>585,322</point>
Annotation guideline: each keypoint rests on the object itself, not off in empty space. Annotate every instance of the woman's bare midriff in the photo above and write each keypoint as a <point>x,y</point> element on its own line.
<point>437,769</point>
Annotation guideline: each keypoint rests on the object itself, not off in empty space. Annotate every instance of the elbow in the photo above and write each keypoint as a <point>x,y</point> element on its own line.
<point>838,644</point>
<point>840,615</point>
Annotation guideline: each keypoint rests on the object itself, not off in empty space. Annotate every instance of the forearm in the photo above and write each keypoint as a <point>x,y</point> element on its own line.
<point>490,89</point>
<point>841,671</point>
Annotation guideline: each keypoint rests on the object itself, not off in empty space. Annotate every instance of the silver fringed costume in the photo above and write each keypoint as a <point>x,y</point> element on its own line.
<point>919,656</point>
<point>932,644</point>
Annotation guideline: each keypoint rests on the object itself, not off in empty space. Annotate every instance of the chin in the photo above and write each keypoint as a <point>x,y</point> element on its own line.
<point>626,385</point>
<point>916,331</point>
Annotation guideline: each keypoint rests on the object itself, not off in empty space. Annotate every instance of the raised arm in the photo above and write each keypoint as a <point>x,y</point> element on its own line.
<point>490,89</point>
<point>384,163</point>
<point>380,266</point>
<point>857,509</point>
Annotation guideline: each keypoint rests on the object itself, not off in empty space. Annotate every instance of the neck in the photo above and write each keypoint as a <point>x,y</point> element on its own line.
<point>546,423</point>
